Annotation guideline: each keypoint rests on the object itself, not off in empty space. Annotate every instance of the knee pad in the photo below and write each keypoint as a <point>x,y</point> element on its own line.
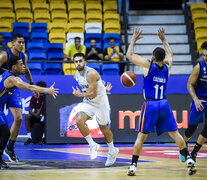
<point>190,130</point>
<point>204,132</point>
<point>4,136</point>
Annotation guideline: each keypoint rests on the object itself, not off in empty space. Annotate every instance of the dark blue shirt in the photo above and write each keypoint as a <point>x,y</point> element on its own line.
<point>155,82</point>
<point>201,85</point>
<point>4,66</point>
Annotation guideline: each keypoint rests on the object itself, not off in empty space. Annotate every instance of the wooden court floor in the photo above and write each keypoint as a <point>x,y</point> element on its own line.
<point>60,162</point>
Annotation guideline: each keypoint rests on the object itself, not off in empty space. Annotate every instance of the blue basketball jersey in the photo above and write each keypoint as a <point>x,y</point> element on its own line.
<point>201,86</point>
<point>155,82</point>
<point>4,66</point>
<point>4,92</point>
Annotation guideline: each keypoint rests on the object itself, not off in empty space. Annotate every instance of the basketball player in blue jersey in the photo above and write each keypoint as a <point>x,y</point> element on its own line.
<point>197,87</point>
<point>9,83</point>
<point>14,103</point>
<point>96,103</point>
<point>156,112</point>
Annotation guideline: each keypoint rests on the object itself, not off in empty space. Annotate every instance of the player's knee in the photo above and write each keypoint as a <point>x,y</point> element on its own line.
<point>190,130</point>
<point>18,119</point>
<point>104,128</point>
<point>79,121</point>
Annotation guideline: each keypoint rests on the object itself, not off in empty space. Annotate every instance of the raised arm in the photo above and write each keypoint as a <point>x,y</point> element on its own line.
<point>92,78</point>
<point>169,54</point>
<point>135,58</point>
<point>12,81</point>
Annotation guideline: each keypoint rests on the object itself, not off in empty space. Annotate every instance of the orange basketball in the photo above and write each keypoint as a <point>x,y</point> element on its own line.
<point>128,79</point>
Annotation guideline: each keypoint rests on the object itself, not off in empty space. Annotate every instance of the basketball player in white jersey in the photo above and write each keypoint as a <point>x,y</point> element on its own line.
<point>95,102</point>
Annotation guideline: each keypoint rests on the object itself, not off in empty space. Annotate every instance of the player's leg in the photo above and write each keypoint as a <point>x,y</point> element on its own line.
<point>138,145</point>
<point>183,151</point>
<point>195,118</point>
<point>28,119</point>
<point>113,152</point>
<point>146,124</point>
<point>81,118</point>
<point>4,137</point>
<point>14,131</point>
<point>201,140</point>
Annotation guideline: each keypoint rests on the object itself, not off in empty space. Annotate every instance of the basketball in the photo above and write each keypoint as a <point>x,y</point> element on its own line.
<point>128,79</point>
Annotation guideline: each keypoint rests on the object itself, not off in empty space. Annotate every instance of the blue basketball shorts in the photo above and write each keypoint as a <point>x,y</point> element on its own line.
<point>15,100</point>
<point>196,117</point>
<point>156,115</point>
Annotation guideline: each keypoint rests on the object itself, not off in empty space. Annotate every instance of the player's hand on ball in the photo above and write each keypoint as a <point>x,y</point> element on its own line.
<point>108,87</point>
<point>53,91</point>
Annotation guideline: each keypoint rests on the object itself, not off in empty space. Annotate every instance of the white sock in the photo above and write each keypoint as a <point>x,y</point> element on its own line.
<point>43,135</point>
<point>111,147</point>
<point>29,135</point>
<point>90,141</point>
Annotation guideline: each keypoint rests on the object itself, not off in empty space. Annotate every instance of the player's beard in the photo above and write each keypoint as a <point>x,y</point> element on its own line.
<point>80,68</point>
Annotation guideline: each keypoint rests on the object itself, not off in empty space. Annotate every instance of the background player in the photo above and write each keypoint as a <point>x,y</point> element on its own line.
<point>14,102</point>
<point>197,87</point>
<point>156,112</point>
<point>96,103</point>
<point>9,83</point>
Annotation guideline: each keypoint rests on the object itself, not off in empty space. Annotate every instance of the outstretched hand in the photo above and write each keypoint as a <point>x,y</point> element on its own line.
<point>108,87</point>
<point>137,34</point>
<point>53,91</point>
<point>161,34</point>
<point>76,91</point>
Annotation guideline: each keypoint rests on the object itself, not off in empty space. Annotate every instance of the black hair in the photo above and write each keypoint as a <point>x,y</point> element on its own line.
<point>77,38</point>
<point>41,84</point>
<point>79,55</point>
<point>17,35</point>
<point>92,39</point>
<point>13,61</point>
<point>159,54</point>
<point>204,45</point>
<point>111,38</point>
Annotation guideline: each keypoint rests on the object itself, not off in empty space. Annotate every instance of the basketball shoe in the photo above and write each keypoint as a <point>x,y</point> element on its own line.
<point>11,155</point>
<point>132,170</point>
<point>182,158</point>
<point>3,164</point>
<point>94,151</point>
<point>191,166</point>
<point>111,158</point>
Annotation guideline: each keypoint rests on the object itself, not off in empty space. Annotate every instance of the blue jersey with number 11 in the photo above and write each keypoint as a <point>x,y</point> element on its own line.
<point>155,82</point>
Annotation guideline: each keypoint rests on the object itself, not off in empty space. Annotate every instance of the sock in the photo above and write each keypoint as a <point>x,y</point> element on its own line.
<point>186,144</point>
<point>11,145</point>
<point>29,135</point>
<point>90,141</point>
<point>196,148</point>
<point>111,147</point>
<point>184,152</point>
<point>135,159</point>
<point>1,154</point>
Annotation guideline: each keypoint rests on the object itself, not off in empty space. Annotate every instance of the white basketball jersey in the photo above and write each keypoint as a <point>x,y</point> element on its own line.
<point>101,98</point>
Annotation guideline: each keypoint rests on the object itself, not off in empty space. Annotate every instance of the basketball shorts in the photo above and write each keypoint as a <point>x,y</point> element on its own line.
<point>15,100</point>
<point>2,118</point>
<point>196,117</point>
<point>156,115</point>
<point>102,113</point>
